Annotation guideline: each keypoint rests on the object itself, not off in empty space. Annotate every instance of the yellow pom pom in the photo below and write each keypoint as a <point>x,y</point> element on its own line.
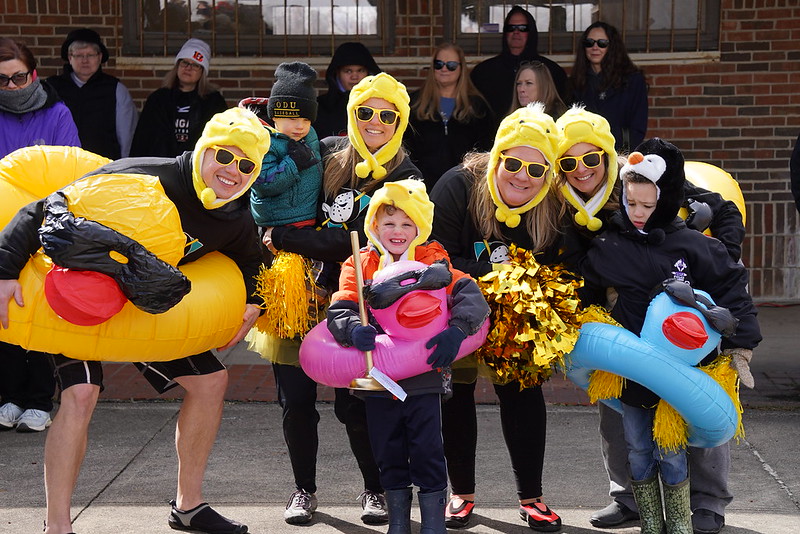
<point>604,385</point>
<point>378,172</point>
<point>670,431</point>
<point>362,169</point>
<point>581,219</point>
<point>208,197</point>
<point>594,224</point>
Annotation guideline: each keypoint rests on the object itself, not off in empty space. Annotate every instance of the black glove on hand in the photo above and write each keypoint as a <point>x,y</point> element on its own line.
<point>363,337</point>
<point>302,155</point>
<point>447,344</point>
<point>700,215</point>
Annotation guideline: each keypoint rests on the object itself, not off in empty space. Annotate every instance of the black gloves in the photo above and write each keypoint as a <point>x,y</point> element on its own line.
<point>447,344</point>
<point>700,215</point>
<point>302,155</point>
<point>363,337</point>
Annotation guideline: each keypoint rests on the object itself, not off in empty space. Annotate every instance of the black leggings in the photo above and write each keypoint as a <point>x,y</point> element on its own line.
<point>297,395</point>
<point>523,417</point>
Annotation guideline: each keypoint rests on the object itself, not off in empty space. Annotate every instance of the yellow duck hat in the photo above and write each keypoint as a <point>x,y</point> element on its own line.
<point>237,127</point>
<point>575,126</point>
<point>528,126</point>
<point>379,86</point>
<point>410,196</point>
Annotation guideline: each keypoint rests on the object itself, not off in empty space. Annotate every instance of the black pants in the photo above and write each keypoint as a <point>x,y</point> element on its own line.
<point>523,418</point>
<point>26,379</point>
<point>407,441</point>
<point>297,395</point>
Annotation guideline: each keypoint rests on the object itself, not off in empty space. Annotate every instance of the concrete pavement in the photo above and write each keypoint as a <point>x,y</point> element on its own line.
<point>129,472</point>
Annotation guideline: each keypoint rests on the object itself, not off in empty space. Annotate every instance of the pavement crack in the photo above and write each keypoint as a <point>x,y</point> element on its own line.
<point>773,473</point>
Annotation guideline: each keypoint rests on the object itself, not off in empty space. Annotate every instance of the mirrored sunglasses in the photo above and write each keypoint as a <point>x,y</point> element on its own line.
<point>223,156</point>
<point>386,116</point>
<point>513,165</point>
<point>438,64</point>
<point>18,79</point>
<point>602,43</point>
<point>590,160</point>
<point>508,28</point>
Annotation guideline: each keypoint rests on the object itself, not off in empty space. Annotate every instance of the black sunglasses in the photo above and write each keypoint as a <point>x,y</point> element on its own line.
<point>721,319</point>
<point>508,28</point>
<point>18,79</point>
<point>438,64</point>
<point>223,156</point>
<point>602,43</point>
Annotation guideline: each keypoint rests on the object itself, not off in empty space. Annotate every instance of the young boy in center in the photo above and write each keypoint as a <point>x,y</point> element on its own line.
<point>406,436</point>
<point>645,244</point>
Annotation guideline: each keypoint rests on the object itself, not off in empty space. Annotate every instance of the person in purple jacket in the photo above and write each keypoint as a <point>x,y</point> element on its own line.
<point>30,114</point>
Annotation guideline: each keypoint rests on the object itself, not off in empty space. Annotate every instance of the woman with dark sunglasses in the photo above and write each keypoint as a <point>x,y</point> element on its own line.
<point>607,82</point>
<point>449,117</point>
<point>492,201</point>
<point>354,167</point>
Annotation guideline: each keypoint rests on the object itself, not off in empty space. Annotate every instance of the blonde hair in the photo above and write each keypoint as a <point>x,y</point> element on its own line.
<point>204,86</point>
<point>548,94</point>
<point>340,170</point>
<point>426,108</point>
<point>540,221</point>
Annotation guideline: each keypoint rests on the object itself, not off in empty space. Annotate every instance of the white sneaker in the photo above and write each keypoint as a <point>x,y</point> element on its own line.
<point>33,421</point>
<point>9,415</point>
<point>300,508</point>
<point>373,507</point>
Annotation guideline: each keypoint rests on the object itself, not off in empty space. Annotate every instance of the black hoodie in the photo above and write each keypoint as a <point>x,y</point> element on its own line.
<point>494,77</point>
<point>332,110</point>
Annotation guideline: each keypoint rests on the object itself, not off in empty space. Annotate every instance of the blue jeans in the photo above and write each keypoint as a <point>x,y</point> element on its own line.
<point>644,456</point>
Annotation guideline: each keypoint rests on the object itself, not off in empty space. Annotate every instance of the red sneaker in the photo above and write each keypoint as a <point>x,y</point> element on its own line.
<point>458,516</point>
<point>540,517</point>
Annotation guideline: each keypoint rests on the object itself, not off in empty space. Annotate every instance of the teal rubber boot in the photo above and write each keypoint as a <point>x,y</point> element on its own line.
<point>648,499</point>
<point>677,508</point>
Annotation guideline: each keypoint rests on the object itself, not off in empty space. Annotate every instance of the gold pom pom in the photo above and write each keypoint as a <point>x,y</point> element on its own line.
<point>604,385</point>
<point>535,318</point>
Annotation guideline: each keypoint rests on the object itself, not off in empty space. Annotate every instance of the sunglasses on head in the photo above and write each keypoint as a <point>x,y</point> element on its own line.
<point>721,319</point>
<point>508,28</point>
<point>513,165</point>
<point>438,64</point>
<point>386,116</point>
<point>602,43</point>
<point>18,79</point>
<point>223,156</point>
<point>590,160</point>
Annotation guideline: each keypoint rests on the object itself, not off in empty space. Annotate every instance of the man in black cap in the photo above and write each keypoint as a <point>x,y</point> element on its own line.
<point>494,77</point>
<point>101,105</point>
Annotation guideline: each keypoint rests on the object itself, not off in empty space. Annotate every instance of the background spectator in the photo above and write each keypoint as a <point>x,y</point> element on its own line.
<point>101,106</point>
<point>449,117</point>
<point>351,63</point>
<point>534,83</point>
<point>607,82</point>
<point>174,115</point>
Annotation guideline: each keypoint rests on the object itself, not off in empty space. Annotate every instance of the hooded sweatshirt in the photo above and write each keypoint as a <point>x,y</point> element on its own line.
<point>332,111</point>
<point>494,77</point>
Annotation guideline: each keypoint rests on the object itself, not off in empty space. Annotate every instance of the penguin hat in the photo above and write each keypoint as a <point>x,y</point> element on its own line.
<point>661,163</point>
<point>528,126</point>
<point>237,127</point>
<point>576,126</point>
<point>379,86</point>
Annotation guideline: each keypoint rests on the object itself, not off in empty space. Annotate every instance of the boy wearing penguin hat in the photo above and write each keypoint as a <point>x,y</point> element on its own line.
<point>645,244</point>
<point>398,224</point>
<point>206,187</point>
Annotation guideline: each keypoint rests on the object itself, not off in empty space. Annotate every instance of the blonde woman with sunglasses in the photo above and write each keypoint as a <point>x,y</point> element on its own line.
<point>354,167</point>
<point>606,81</point>
<point>449,117</point>
<point>492,201</point>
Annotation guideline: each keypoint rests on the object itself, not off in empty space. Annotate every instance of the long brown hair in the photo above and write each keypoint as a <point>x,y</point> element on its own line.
<point>616,65</point>
<point>426,108</point>
<point>11,49</point>
<point>340,169</point>
<point>548,94</point>
<point>541,221</point>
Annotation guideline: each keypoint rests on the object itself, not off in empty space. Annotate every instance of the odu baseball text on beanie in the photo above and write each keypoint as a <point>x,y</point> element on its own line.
<point>237,127</point>
<point>575,126</point>
<point>379,86</point>
<point>293,95</point>
<point>84,35</point>
<point>410,196</point>
<point>528,126</point>
<point>197,51</point>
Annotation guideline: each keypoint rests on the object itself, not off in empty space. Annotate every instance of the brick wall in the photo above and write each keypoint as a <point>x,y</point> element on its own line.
<point>738,109</point>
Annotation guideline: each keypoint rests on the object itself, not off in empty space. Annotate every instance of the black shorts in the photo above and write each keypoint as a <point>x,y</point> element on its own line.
<point>161,375</point>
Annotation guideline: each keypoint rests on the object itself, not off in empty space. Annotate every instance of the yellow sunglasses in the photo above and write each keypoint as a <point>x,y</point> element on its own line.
<point>590,160</point>
<point>386,116</point>
<point>534,169</point>
<point>223,156</point>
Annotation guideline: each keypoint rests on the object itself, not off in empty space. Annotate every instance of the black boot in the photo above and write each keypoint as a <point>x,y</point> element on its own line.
<point>399,504</point>
<point>431,508</point>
